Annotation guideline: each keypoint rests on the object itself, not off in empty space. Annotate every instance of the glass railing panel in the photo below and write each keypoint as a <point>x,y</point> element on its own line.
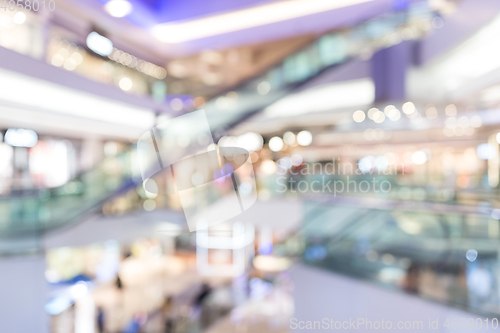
<point>42,209</point>
<point>438,256</point>
<point>375,185</point>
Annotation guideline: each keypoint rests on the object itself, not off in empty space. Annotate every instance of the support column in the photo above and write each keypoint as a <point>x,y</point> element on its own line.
<point>23,292</point>
<point>389,67</point>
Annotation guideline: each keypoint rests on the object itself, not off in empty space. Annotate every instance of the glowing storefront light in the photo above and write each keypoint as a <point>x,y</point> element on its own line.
<point>379,117</point>
<point>250,141</point>
<point>276,143</point>
<point>419,157</point>
<point>486,151</point>
<point>138,64</point>
<point>21,137</point>
<point>366,164</point>
<point>125,84</point>
<point>431,113</point>
<point>19,18</point>
<point>409,108</point>
<point>451,110</point>
<point>268,167</point>
<point>99,44</point>
<point>272,263</point>
<point>358,116</point>
<point>289,138</point>
<point>304,138</point>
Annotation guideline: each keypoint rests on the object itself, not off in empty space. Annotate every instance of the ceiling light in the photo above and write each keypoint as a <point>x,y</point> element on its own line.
<point>183,31</point>
<point>99,44</point>
<point>118,8</point>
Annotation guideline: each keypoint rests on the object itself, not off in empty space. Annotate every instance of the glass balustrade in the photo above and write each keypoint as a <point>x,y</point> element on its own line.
<point>439,255</point>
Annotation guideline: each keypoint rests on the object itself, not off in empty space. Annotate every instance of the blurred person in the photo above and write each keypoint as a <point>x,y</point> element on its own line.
<point>118,283</point>
<point>411,281</point>
<point>167,314</point>
<point>205,291</point>
<point>429,281</point>
<point>127,254</point>
<point>199,309</point>
<point>100,319</point>
<point>137,322</point>
<point>120,294</point>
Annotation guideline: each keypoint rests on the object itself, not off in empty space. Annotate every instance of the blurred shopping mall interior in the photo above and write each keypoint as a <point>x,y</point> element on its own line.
<point>215,166</point>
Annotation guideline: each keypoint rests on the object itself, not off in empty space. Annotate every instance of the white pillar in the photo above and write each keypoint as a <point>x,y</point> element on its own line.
<point>23,294</point>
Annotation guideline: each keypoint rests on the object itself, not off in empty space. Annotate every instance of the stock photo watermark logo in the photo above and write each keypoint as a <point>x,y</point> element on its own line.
<point>213,184</point>
<point>335,178</point>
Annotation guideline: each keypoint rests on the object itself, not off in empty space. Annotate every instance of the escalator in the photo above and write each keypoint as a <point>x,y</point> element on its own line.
<point>25,212</point>
<point>410,22</point>
<point>442,250</point>
<point>30,213</point>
